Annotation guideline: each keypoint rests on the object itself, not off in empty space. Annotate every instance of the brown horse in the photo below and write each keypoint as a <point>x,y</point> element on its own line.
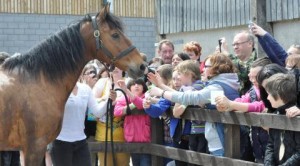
<point>35,86</point>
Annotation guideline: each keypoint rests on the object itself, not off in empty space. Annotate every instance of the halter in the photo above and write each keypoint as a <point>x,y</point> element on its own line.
<point>100,45</point>
<point>113,59</point>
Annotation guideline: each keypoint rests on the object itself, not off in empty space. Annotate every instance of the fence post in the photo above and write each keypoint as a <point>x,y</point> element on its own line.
<point>232,140</point>
<point>258,14</point>
<point>157,135</point>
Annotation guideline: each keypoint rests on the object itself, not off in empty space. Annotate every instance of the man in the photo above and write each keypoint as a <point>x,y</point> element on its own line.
<point>166,51</point>
<point>245,54</point>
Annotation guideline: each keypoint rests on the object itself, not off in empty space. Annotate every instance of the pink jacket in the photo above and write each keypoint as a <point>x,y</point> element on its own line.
<point>136,127</point>
<point>257,106</point>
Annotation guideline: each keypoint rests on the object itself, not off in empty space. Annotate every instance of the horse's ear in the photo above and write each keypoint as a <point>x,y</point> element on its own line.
<point>105,11</point>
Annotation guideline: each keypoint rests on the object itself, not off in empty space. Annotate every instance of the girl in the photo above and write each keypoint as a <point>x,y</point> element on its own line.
<point>136,127</point>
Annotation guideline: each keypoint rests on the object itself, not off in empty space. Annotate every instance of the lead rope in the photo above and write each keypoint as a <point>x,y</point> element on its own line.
<point>110,116</point>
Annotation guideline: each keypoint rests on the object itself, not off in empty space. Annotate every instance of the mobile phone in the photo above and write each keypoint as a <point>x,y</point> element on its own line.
<point>250,24</point>
<point>151,69</point>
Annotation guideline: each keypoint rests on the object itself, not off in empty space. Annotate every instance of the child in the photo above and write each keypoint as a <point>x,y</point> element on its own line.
<point>189,75</point>
<point>136,127</point>
<point>281,90</point>
<point>163,78</point>
<point>250,102</point>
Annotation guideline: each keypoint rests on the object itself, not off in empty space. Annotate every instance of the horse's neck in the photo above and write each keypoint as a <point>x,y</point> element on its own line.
<point>69,82</point>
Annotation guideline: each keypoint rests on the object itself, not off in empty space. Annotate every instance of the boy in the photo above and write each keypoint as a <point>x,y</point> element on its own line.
<point>281,90</point>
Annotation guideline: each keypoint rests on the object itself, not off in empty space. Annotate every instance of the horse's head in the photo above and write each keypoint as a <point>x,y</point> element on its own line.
<point>113,47</point>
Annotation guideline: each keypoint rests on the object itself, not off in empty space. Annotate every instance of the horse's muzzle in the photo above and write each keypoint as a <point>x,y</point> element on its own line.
<point>143,67</point>
<point>148,70</point>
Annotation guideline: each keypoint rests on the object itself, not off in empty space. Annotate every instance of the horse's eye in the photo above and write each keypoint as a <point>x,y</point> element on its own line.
<point>115,36</point>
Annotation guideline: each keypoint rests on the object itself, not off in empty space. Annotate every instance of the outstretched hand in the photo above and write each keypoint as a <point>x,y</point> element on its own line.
<point>122,84</point>
<point>155,79</point>
<point>223,103</point>
<point>146,102</point>
<point>257,30</point>
<point>155,91</point>
<point>292,111</point>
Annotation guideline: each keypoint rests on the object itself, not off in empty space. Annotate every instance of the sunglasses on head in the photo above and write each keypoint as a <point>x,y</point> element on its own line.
<point>91,72</point>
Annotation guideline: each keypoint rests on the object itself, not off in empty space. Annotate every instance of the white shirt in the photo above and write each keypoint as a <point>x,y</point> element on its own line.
<point>75,111</point>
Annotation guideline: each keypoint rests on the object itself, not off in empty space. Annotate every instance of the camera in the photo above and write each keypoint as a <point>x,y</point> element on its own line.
<point>220,44</point>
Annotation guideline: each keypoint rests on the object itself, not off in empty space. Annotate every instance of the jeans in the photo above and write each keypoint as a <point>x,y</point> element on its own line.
<point>245,144</point>
<point>198,143</point>
<point>183,144</point>
<point>219,153</point>
<point>70,153</point>
<point>141,159</point>
<point>10,158</point>
<point>167,160</point>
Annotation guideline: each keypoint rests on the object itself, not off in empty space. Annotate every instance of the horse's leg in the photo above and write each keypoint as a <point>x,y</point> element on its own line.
<point>34,157</point>
<point>22,158</point>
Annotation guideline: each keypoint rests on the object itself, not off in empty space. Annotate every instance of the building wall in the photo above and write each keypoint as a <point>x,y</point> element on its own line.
<point>19,32</point>
<point>286,32</point>
<point>208,39</point>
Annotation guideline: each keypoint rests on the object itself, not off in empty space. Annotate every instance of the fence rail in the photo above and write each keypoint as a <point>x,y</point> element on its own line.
<point>232,120</point>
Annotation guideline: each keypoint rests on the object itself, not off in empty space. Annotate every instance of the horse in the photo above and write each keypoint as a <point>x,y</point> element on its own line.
<point>34,86</point>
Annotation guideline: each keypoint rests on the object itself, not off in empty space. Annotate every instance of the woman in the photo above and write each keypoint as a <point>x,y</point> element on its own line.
<point>101,91</point>
<point>266,72</point>
<point>219,71</point>
<point>71,147</point>
<point>193,49</point>
<point>179,57</point>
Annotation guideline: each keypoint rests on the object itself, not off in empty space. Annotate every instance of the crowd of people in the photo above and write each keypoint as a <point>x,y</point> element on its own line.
<point>241,81</point>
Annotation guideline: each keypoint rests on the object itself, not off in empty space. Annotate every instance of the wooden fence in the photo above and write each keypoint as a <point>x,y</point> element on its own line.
<point>124,8</point>
<point>232,120</point>
<point>134,8</point>
<point>78,7</point>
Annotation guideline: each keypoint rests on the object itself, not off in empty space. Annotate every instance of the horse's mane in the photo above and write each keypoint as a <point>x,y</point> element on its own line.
<point>114,22</point>
<point>55,56</point>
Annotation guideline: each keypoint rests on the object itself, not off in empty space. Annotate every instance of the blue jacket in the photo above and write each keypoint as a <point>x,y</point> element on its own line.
<point>231,94</point>
<point>156,110</point>
<point>203,97</point>
<point>273,49</point>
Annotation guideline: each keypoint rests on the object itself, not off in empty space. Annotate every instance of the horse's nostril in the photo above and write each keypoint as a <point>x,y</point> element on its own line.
<point>143,67</point>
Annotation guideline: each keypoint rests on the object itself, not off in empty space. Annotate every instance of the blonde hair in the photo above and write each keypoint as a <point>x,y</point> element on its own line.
<point>189,66</point>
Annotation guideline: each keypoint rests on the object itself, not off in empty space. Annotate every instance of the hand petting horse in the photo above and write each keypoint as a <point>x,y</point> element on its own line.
<point>35,86</point>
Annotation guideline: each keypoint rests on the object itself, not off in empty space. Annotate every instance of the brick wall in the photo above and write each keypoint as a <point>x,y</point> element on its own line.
<point>20,32</point>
